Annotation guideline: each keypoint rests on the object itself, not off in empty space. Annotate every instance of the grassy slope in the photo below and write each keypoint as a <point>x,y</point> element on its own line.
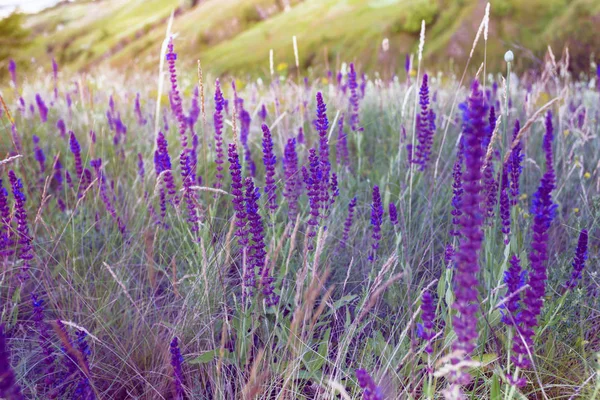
<point>233,36</point>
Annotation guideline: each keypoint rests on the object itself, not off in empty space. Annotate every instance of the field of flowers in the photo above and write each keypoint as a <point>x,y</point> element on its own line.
<point>333,236</point>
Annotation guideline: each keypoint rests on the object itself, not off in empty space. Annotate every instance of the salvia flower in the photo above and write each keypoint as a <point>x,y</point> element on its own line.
<point>164,162</point>
<point>466,257</point>
<point>426,329</point>
<point>322,126</point>
<point>237,190</point>
<point>189,194</point>
<point>579,260</point>
<point>262,113</point>
<point>514,278</point>
<point>425,127</point>
<point>256,254</point>
<point>348,223</point>
<point>141,170</point>
<point>6,241</point>
<point>293,182</point>
<point>43,330</point>
<point>12,69</point>
<point>9,389</point>
<point>218,123</point>
<point>105,195</point>
<point>138,111</point>
<point>62,129</point>
<point>376,221</point>
<point>177,106</point>
<point>393,214</point>
<point>515,168</point>
<point>312,181</point>
<point>24,239</point>
<point>341,147</point>
<point>269,161</point>
<point>176,361</point>
<point>505,205</point>
<point>457,191</point>
<point>43,110</point>
<point>370,390</point>
<point>354,100</point>
<point>76,150</point>
<point>39,153</point>
<point>543,210</point>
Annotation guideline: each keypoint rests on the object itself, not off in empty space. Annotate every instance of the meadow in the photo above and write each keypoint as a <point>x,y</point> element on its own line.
<point>301,236</point>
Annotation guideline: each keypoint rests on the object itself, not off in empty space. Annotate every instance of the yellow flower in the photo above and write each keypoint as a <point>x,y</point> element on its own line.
<point>577,164</point>
<point>576,210</point>
<point>525,215</point>
<point>324,81</point>
<point>566,132</point>
<point>587,175</point>
<point>413,73</point>
<point>523,196</point>
<point>282,67</point>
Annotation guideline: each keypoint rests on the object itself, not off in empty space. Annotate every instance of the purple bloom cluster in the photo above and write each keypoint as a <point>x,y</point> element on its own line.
<point>341,147</point>
<point>466,258</point>
<point>162,163</point>
<point>6,240</point>
<point>176,361</point>
<point>348,223</point>
<point>62,129</point>
<point>237,190</point>
<point>105,195</point>
<point>293,179</point>
<point>579,259</point>
<point>393,214</point>
<point>43,110</point>
<point>39,153</point>
<point>543,210</point>
<point>490,184</point>
<point>425,127</point>
<point>457,191</point>
<point>138,111</point>
<point>376,221</point>
<point>312,181</point>
<point>76,150</point>
<point>505,205</point>
<point>24,241</point>
<point>176,98</point>
<point>269,161</point>
<point>370,390</point>
<point>514,165</point>
<point>140,165</point>
<point>514,278</point>
<point>218,123</point>
<point>12,69</point>
<point>46,346</point>
<point>426,329</point>
<point>354,105</point>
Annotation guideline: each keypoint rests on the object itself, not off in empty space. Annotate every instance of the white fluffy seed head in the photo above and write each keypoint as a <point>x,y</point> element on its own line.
<point>422,40</point>
<point>271,66</point>
<point>487,22</point>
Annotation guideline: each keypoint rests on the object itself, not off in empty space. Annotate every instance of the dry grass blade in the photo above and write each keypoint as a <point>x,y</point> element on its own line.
<point>10,159</point>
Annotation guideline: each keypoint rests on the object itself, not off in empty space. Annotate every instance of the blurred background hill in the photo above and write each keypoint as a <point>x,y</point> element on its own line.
<point>235,36</point>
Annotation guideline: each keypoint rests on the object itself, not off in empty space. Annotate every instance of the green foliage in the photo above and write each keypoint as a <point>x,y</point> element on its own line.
<point>14,38</point>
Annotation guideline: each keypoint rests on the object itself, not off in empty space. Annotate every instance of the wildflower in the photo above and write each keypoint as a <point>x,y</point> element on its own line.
<point>514,278</point>
<point>104,195</point>
<point>293,183</point>
<point>26,250</point>
<point>543,210</point>
<point>164,161</point>
<point>237,190</point>
<point>12,69</point>
<point>348,223</point>
<point>587,175</point>
<point>370,390</point>
<point>490,184</point>
<point>76,150</point>
<point>457,191</point>
<point>178,108</point>
<point>466,258</point>
<point>141,171</point>
<point>393,214</point>
<point>354,100</point>
<point>138,111</point>
<point>218,123</point>
<point>189,194</point>
<point>269,161</point>
<point>62,129</point>
<point>425,127</point>
<point>43,110</point>
<point>176,361</point>
<point>44,340</point>
<point>514,166</point>
<point>312,182</point>
<point>262,113</point>
<point>449,253</point>
<point>376,221</point>
<point>426,330</point>
<point>300,136</point>
<point>579,259</point>
<point>322,126</point>
<point>9,388</point>
<point>39,153</point>
<point>505,205</point>
<point>6,241</point>
<point>341,148</point>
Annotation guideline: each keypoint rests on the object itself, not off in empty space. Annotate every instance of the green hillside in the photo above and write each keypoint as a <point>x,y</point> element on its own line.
<point>234,36</point>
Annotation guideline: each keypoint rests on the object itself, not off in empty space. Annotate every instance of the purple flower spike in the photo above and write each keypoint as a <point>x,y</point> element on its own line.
<point>426,330</point>
<point>514,278</point>
<point>505,206</point>
<point>256,254</point>
<point>269,160</point>
<point>579,260</point>
<point>293,179</point>
<point>312,182</point>
<point>237,190</point>
<point>376,221</point>
<point>176,361</point>
<point>218,122</point>
<point>300,136</point>
<point>26,250</point>
<point>43,110</point>
<point>62,129</point>
<point>322,126</point>
<point>425,127</point>
<point>348,223</point>
<point>6,230</point>
<point>263,113</point>
<point>43,330</point>
<point>467,266</point>
<point>9,388</point>
<point>514,164</point>
<point>177,106</point>
<point>341,147</point>
<point>76,150</point>
<point>393,214</point>
<point>39,154</point>
<point>407,64</point>
<point>354,105</point>
<point>543,210</point>
<point>138,111</point>
<point>370,390</point>
<point>189,194</point>
<point>164,162</point>
<point>12,68</point>
<point>457,191</point>
<point>141,170</point>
